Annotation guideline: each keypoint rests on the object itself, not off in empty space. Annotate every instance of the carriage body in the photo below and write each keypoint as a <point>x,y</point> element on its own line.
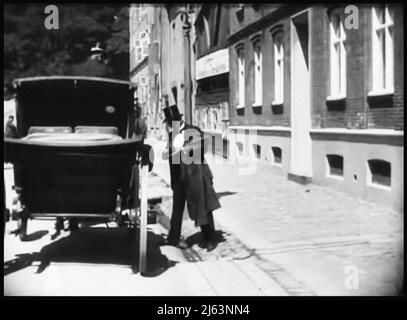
<point>75,154</point>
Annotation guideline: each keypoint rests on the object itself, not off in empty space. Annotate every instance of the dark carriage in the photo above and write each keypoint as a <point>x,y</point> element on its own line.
<point>76,156</point>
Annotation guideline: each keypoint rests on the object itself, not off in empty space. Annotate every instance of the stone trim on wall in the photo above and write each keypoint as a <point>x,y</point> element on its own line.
<point>373,136</point>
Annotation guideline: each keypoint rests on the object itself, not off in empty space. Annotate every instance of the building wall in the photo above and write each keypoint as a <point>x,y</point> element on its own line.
<point>140,20</point>
<point>162,63</point>
<point>358,131</point>
<point>140,77</point>
<point>215,29</point>
<point>173,54</point>
<point>356,113</point>
<point>391,117</point>
<point>266,139</point>
<point>265,115</point>
<point>355,180</point>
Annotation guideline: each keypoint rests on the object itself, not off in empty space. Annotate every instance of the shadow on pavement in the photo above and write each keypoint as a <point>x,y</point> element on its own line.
<point>36,235</point>
<point>22,261</point>
<point>226,193</point>
<point>33,236</point>
<point>196,238</point>
<point>99,246</point>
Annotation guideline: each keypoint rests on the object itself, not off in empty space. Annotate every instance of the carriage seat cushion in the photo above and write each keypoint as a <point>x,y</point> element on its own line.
<point>71,138</point>
<point>43,129</point>
<point>96,129</point>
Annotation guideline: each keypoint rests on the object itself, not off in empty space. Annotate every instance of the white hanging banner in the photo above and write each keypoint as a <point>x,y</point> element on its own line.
<point>212,64</point>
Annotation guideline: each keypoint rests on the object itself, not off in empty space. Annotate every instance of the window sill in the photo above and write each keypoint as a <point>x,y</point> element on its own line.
<point>335,177</point>
<point>378,186</point>
<point>336,97</point>
<point>277,164</point>
<point>379,93</point>
<point>277,102</point>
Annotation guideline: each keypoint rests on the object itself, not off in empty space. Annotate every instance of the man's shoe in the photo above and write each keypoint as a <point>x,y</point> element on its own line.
<point>210,246</point>
<point>179,244</point>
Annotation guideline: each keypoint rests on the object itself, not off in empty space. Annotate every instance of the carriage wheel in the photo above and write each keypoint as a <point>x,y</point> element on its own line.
<point>22,226</point>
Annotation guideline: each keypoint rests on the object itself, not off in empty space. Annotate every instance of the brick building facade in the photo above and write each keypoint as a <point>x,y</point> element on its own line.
<point>319,100</point>
<point>315,91</point>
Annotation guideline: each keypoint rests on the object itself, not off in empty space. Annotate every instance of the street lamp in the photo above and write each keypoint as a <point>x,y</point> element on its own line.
<point>186,27</point>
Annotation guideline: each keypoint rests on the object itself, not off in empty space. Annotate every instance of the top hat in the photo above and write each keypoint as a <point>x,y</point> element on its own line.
<point>176,115</point>
<point>172,114</point>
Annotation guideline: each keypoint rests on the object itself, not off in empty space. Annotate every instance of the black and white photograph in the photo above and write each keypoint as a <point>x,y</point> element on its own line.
<point>203,150</point>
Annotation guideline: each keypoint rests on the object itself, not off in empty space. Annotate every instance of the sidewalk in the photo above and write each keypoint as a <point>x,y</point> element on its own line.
<point>315,234</point>
<point>79,265</point>
<point>79,262</point>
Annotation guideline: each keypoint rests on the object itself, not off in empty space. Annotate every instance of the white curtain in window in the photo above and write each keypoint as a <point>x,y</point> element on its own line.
<point>278,71</point>
<point>258,78</point>
<point>241,71</point>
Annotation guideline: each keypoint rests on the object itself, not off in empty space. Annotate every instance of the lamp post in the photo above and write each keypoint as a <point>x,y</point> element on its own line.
<point>187,67</point>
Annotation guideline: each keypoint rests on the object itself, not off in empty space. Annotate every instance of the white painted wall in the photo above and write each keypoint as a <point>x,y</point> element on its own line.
<point>301,158</point>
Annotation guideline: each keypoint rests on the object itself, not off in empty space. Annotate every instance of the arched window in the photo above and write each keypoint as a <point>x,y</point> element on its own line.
<point>241,75</point>
<point>278,57</point>
<point>382,48</point>
<point>337,55</point>
<point>258,70</point>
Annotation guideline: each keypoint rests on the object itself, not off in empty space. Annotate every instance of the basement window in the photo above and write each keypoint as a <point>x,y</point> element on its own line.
<point>277,155</point>
<point>335,165</point>
<point>379,172</point>
<point>239,146</point>
<point>257,151</point>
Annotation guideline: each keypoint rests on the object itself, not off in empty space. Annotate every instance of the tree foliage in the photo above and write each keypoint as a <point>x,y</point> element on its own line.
<point>32,50</point>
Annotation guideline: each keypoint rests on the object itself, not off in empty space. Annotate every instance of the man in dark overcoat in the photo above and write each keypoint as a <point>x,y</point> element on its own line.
<point>191,180</point>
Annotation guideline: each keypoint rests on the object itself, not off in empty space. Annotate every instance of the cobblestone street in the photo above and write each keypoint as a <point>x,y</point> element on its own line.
<point>309,233</point>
